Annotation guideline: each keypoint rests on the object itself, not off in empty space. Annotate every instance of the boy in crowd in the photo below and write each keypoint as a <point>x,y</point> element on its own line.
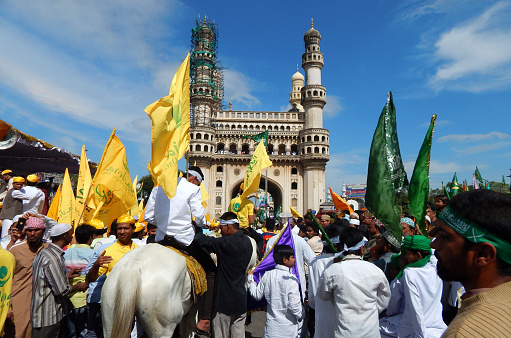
<point>280,289</point>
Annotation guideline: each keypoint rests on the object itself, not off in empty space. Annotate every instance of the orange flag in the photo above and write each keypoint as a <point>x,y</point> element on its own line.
<point>339,202</point>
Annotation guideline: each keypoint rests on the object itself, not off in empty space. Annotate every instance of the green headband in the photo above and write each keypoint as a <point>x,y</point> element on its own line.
<point>475,233</point>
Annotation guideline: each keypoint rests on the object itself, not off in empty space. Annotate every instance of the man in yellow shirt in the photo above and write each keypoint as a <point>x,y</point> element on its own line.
<point>244,209</point>
<point>112,254</point>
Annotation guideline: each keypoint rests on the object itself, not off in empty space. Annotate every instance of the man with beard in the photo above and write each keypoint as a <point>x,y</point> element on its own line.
<point>473,246</point>
<point>21,293</point>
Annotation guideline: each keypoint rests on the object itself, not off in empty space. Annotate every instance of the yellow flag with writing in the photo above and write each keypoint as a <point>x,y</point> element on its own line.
<point>111,194</point>
<point>170,136</point>
<point>294,212</point>
<point>82,186</point>
<point>259,161</point>
<point>67,201</point>
<point>53,210</point>
<point>339,202</point>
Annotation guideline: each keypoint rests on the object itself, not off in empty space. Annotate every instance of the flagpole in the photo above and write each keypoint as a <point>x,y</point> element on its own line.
<point>266,193</point>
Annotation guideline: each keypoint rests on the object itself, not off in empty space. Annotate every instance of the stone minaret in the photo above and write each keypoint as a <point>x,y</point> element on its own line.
<point>314,141</point>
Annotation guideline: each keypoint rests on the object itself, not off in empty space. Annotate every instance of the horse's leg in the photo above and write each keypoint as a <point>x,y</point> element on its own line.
<point>187,325</point>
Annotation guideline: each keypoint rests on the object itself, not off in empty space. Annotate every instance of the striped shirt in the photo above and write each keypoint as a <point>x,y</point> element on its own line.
<point>50,287</point>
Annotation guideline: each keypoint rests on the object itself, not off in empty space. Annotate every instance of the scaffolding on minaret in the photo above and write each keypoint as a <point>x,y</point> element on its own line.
<point>206,78</point>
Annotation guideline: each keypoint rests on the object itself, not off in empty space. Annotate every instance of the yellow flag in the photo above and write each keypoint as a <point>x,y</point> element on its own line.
<point>170,136</point>
<point>135,210</point>
<point>204,194</point>
<point>53,211</point>
<point>259,161</point>
<point>339,202</point>
<point>82,186</point>
<point>67,201</point>
<point>295,213</point>
<point>111,194</point>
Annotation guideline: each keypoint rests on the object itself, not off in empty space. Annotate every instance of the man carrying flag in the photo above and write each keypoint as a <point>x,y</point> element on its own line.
<point>173,218</point>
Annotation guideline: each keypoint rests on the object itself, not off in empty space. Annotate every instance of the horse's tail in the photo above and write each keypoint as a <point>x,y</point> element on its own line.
<point>125,301</point>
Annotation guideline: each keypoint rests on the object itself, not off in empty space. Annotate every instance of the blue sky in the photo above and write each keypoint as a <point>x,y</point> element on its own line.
<point>71,71</point>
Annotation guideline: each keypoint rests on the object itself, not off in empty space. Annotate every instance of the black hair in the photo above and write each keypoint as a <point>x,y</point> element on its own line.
<point>228,216</point>
<point>350,237</point>
<point>99,232</point>
<point>442,198</point>
<point>282,251</point>
<point>31,184</point>
<point>151,226</point>
<point>491,211</point>
<point>302,227</point>
<point>270,224</point>
<point>423,253</point>
<point>433,207</point>
<point>342,222</point>
<point>197,169</point>
<point>299,220</point>
<point>313,226</point>
<point>334,230</point>
<point>113,228</point>
<point>83,233</point>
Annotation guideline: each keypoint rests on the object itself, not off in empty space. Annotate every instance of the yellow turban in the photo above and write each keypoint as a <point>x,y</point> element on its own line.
<point>139,227</point>
<point>97,224</point>
<point>32,178</point>
<point>126,219</point>
<point>18,179</point>
<point>7,171</point>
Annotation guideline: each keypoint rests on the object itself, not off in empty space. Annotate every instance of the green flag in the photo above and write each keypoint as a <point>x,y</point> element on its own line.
<point>419,183</point>
<point>277,212</point>
<point>386,172</point>
<point>479,179</point>
<point>258,137</point>
<point>455,186</point>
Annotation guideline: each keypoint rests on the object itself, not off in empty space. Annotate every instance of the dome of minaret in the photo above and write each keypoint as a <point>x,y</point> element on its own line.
<point>297,76</point>
<point>312,31</point>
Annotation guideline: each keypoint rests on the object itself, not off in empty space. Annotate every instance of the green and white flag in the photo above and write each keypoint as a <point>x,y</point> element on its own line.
<point>386,171</point>
<point>258,137</point>
<point>418,189</point>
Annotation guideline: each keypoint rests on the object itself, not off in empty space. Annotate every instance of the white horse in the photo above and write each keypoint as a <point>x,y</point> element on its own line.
<point>151,283</point>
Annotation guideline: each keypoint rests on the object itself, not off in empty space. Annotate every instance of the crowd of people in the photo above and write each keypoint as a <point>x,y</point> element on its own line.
<point>345,274</point>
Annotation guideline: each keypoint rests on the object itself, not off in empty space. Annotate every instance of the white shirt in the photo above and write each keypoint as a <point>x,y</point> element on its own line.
<point>33,199</point>
<point>360,292</point>
<point>284,310</point>
<point>418,294</point>
<point>174,216</point>
<point>303,254</point>
<point>324,309</point>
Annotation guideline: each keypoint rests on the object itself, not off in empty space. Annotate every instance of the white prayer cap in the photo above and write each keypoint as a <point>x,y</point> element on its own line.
<point>354,221</point>
<point>60,229</point>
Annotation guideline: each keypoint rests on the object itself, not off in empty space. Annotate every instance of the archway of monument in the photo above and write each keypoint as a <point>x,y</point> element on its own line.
<point>274,191</point>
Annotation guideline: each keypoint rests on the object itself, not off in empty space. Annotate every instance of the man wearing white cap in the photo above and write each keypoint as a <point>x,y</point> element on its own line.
<point>33,198</point>
<point>50,288</point>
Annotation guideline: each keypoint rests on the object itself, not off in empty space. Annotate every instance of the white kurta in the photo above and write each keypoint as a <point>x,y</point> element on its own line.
<point>33,199</point>
<point>174,216</point>
<point>324,309</point>
<point>415,309</point>
<point>284,311</point>
<point>303,254</point>
<point>360,291</point>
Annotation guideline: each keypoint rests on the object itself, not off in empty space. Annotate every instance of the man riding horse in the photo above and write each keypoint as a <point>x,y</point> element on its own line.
<point>175,228</point>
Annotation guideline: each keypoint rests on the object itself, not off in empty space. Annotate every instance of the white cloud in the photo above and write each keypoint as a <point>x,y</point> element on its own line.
<point>412,10</point>
<point>482,148</point>
<point>238,88</point>
<point>333,106</point>
<point>467,138</point>
<point>476,55</point>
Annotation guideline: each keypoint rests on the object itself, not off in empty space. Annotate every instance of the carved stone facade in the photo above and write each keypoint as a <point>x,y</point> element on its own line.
<point>298,144</point>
